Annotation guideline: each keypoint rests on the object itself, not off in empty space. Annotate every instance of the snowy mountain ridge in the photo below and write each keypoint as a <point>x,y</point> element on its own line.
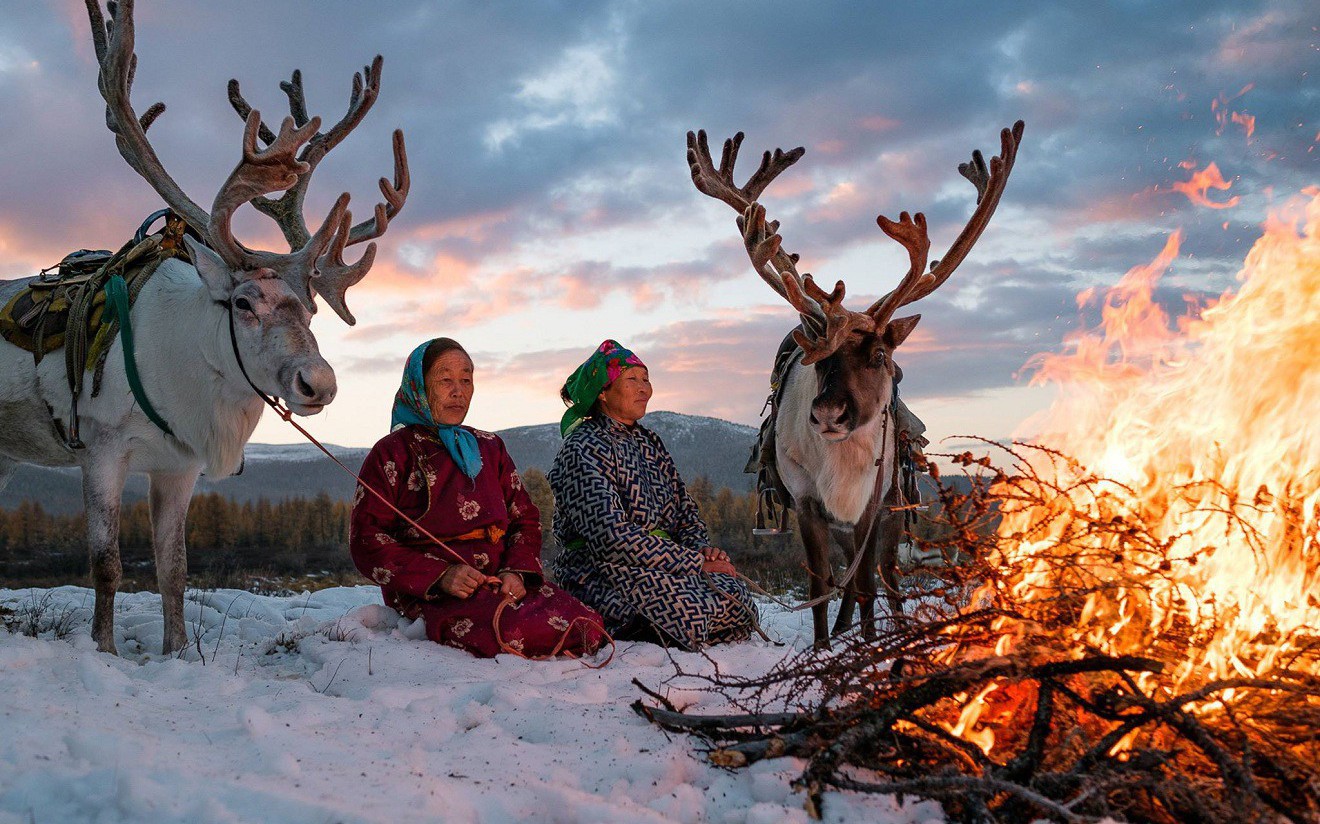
<point>297,452</point>
<point>702,447</point>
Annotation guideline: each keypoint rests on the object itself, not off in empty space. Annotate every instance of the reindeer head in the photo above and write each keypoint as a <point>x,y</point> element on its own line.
<point>852,351</point>
<point>271,296</point>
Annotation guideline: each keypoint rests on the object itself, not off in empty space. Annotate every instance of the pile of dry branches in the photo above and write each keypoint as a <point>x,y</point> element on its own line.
<point>1065,729</point>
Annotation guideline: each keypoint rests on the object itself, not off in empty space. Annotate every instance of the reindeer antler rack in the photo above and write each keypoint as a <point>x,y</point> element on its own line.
<point>826,324</point>
<point>334,276</point>
<point>113,42</point>
<point>315,263</point>
<point>989,184</point>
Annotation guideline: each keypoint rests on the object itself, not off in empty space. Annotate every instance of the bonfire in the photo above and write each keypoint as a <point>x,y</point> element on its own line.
<point>1137,632</point>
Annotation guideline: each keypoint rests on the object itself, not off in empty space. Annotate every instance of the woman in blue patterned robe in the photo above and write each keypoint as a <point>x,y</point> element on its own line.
<point>634,546</point>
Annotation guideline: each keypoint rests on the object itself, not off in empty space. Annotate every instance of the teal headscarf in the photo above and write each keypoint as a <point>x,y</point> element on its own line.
<point>411,408</point>
<point>586,383</point>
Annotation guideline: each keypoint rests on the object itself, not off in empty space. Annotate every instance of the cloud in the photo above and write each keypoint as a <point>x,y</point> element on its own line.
<point>712,367</point>
<point>577,91</point>
<point>550,190</point>
<point>1275,36</point>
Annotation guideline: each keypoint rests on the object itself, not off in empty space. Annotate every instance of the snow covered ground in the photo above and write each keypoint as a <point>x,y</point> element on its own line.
<point>328,708</point>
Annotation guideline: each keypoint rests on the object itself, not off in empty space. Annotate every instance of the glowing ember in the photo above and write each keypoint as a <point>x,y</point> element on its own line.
<point>1223,116</point>
<point>965,728</point>
<point>1201,182</point>
<point>1246,121</point>
<point>1206,431</point>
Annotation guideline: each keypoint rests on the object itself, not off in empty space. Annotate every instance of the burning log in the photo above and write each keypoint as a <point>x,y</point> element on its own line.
<point>995,712</point>
<point>1005,704</point>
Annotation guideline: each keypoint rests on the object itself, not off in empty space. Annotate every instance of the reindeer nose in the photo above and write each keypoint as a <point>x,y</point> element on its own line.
<point>314,385</point>
<point>832,416</point>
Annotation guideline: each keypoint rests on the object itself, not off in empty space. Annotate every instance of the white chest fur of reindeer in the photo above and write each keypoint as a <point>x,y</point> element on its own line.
<point>841,474</point>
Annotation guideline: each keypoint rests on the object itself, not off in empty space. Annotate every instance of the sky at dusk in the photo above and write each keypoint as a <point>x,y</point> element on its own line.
<point>551,204</point>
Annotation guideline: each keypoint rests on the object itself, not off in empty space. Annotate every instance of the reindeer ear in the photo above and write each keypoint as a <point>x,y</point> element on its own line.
<point>215,273</point>
<point>898,330</point>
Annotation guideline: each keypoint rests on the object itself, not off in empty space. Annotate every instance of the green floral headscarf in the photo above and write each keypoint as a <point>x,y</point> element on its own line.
<point>586,383</point>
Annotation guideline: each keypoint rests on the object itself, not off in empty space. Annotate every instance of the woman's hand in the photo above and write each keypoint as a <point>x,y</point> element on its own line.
<point>461,580</point>
<point>713,553</point>
<point>511,586</point>
<point>715,559</point>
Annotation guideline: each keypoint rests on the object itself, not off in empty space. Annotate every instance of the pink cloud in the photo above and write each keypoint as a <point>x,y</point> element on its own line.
<point>477,227</point>
<point>879,123</point>
<point>842,201</point>
<point>1263,40</point>
<point>1113,208</point>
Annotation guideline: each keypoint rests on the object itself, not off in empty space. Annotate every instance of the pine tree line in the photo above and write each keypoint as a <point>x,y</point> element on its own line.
<point>214,522</point>
<point>231,541</point>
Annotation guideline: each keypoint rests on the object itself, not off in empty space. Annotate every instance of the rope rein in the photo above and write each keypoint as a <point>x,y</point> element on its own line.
<point>286,415</point>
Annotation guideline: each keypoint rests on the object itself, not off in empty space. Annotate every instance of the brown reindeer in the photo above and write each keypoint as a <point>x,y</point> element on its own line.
<point>836,432</point>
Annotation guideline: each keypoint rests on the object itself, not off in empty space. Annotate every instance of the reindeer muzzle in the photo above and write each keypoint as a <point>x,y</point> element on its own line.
<point>310,388</point>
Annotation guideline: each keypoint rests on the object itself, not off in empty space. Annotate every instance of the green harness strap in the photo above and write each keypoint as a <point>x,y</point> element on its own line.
<point>116,295</point>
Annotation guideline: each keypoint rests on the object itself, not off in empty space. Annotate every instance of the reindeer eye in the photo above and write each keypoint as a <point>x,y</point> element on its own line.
<point>242,303</point>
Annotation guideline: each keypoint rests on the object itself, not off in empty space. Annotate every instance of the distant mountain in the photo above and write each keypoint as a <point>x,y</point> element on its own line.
<point>701,446</point>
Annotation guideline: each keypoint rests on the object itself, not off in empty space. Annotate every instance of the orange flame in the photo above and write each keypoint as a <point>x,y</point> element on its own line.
<point>966,727</point>
<point>1201,182</point>
<point>1210,432</point>
<point>1219,106</point>
<point>1246,121</point>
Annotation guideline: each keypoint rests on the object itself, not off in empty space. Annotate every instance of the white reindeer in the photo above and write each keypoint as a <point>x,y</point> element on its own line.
<point>836,436</point>
<point>198,327</point>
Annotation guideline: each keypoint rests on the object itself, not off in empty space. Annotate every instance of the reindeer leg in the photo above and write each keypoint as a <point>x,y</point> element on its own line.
<point>816,540</point>
<point>866,581</point>
<point>890,529</point>
<point>103,488</point>
<point>844,620</point>
<point>170,495</point>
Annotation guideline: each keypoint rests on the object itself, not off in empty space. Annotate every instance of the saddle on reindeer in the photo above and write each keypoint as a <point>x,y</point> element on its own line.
<point>81,304</point>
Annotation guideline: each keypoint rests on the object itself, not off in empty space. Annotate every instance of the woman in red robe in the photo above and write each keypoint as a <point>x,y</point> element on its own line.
<point>460,485</point>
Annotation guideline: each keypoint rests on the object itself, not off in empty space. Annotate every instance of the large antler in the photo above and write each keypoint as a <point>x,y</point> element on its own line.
<point>113,41</point>
<point>989,183</point>
<point>334,277</point>
<point>258,172</point>
<point>718,183</point>
<point>826,324</point>
<point>316,265</point>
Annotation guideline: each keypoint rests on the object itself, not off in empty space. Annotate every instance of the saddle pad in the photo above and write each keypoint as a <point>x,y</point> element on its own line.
<point>37,318</point>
